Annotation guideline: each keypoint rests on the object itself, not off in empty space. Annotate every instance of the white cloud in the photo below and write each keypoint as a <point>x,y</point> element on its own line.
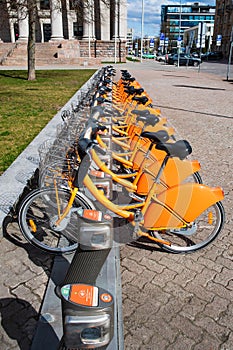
<point>152,14</point>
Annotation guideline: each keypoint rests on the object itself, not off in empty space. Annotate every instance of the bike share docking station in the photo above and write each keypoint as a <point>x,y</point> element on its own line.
<point>83,303</point>
<point>88,309</point>
<point>83,307</point>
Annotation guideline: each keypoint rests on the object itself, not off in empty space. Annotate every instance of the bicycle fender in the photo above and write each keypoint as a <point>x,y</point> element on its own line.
<point>180,204</point>
<point>175,172</point>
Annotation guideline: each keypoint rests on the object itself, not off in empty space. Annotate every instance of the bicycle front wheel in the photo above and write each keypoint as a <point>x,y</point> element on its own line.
<point>38,213</point>
<point>204,230</point>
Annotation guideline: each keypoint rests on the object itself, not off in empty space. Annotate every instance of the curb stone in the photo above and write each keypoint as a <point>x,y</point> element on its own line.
<point>14,180</point>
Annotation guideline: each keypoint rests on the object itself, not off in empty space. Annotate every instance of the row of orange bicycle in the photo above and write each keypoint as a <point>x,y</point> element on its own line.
<point>118,163</point>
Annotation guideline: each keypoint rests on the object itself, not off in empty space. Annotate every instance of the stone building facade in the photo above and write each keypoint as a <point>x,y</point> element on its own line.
<point>223,26</point>
<point>97,24</point>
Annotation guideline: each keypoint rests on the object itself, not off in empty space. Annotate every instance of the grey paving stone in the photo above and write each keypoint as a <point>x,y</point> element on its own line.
<point>182,301</point>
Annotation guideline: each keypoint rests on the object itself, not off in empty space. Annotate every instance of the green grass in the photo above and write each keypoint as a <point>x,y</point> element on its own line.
<point>129,58</point>
<point>27,106</point>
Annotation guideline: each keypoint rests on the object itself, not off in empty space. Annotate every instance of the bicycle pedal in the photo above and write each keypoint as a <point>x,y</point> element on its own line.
<point>186,231</point>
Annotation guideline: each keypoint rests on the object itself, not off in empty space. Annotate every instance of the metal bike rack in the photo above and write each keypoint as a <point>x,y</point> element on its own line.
<point>82,307</point>
<point>88,265</point>
<point>87,309</point>
<point>88,316</point>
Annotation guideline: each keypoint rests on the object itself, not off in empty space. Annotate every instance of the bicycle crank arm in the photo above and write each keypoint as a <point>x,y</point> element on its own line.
<point>157,240</point>
<point>185,231</point>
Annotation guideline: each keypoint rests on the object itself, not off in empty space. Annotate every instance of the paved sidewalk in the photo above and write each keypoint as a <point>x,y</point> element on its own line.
<point>174,302</point>
<point>170,302</point>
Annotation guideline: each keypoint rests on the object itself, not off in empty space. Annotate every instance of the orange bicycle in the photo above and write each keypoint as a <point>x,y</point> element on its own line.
<point>181,219</point>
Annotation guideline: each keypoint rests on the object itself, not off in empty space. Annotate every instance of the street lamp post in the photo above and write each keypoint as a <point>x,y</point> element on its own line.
<point>230,53</point>
<point>179,41</point>
<point>142,28</point>
<point>116,29</point>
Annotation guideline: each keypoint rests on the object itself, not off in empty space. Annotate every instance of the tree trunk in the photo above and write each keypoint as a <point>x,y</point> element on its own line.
<point>32,40</point>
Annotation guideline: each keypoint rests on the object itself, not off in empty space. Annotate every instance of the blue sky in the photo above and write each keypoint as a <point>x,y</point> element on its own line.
<point>152,13</point>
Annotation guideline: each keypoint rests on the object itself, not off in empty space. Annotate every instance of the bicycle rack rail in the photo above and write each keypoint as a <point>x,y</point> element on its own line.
<point>82,306</point>
<point>88,310</point>
<point>87,322</point>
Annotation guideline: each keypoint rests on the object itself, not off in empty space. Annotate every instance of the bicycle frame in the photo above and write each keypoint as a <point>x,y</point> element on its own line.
<point>147,170</point>
<point>179,205</point>
<point>176,207</point>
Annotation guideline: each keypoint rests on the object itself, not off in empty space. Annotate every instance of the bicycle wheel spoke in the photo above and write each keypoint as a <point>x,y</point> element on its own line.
<point>205,229</point>
<point>38,214</point>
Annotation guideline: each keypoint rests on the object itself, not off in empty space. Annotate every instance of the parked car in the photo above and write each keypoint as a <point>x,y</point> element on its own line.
<point>161,58</point>
<point>195,54</point>
<point>148,55</point>
<point>184,60</point>
<point>212,56</point>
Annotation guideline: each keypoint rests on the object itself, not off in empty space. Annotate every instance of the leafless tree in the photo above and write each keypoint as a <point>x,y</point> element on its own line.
<point>32,12</point>
<point>28,9</point>
<point>25,9</point>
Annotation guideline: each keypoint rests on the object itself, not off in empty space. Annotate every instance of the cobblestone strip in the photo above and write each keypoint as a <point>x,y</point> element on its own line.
<point>184,302</point>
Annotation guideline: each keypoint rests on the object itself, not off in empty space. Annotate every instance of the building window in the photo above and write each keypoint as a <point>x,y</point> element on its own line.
<point>77,30</point>
<point>75,4</point>
<point>47,31</point>
<point>44,5</point>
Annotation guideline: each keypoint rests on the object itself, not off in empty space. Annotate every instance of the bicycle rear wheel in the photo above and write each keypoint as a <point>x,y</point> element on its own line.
<point>37,214</point>
<point>204,230</point>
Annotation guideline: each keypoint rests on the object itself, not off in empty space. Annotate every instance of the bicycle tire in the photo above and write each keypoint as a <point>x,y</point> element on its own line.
<point>197,177</point>
<point>39,207</point>
<point>181,243</point>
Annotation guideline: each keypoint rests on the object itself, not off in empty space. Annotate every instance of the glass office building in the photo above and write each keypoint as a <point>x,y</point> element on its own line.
<point>175,19</point>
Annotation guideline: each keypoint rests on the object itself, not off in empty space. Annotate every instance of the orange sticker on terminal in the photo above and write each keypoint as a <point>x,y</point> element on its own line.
<point>84,294</point>
<point>94,215</point>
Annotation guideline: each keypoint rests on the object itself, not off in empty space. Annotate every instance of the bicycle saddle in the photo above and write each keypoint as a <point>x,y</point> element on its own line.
<point>102,100</point>
<point>142,113</point>
<point>150,119</point>
<point>126,82</point>
<point>101,91</point>
<point>128,79</point>
<point>180,149</point>
<point>106,81</point>
<point>126,76</point>
<point>156,137</point>
<point>131,90</point>
<point>142,99</point>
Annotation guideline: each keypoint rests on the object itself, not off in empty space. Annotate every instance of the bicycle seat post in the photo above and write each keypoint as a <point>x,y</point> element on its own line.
<point>164,163</point>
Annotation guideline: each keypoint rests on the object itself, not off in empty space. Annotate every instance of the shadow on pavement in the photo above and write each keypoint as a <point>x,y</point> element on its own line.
<point>42,259</point>
<point>18,318</point>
